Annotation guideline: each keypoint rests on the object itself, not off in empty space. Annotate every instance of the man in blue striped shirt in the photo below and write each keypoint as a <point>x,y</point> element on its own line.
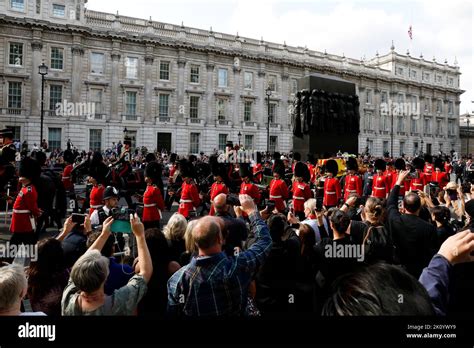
<point>212,284</point>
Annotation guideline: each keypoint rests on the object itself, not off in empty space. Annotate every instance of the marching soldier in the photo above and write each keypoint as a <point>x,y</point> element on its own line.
<point>368,180</point>
<point>390,173</point>
<point>380,185</point>
<point>278,189</point>
<point>25,208</point>
<point>97,172</point>
<point>258,169</point>
<point>332,186</point>
<point>439,176</point>
<point>312,166</point>
<point>189,200</point>
<point>300,189</point>
<point>399,166</point>
<point>153,203</point>
<point>429,168</point>
<point>219,171</point>
<point>352,182</point>
<point>248,187</point>
<point>66,178</point>
<point>419,181</point>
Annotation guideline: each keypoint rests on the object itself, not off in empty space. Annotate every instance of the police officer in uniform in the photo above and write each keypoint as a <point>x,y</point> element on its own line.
<point>111,199</point>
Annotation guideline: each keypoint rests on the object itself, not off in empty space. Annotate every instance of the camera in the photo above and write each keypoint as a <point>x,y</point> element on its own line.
<point>78,218</point>
<point>319,205</point>
<point>270,205</point>
<point>121,218</point>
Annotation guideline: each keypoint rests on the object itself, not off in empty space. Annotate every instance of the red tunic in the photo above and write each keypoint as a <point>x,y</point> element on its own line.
<point>448,168</point>
<point>418,184</point>
<point>429,169</point>
<point>380,186</point>
<point>189,199</point>
<point>332,192</point>
<point>67,179</point>
<point>278,194</point>
<point>96,198</point>
<point>217,189</point>
<point>257,168</point>
<point>301,193</point>
<point>441,178</point>
<point>250,189</point>
<point>311,172</point>
<point>153,203</point>
<point>25,210</point>
<point>391,176</point>
<point>353,184</point>
<point>405,187</point>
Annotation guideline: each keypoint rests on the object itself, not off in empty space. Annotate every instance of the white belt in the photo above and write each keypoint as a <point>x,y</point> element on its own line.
<point>66,177</point>
<point>415,184</point>
<point>379,188</point>
<point>330,193</point>
<point>351,191</point>
<point>186,201</point>
<point>96,206</point>
<point>149,205</point>
<point>21,211</point>
<point>301,198</point>
<point>275,197</point>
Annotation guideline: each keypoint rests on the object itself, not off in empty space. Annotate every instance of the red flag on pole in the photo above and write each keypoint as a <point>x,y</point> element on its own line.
<point>410,33</point>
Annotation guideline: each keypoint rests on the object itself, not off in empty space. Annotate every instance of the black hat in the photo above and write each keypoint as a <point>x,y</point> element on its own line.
<point>380,164</point>
<point>400,164</point>
<point>30,168</point>
<point>127,141</point>
<point>276,155</point>
<point>6,133</point>
<point>150,157</point>
<point>310,158</point>
<point>259,157</point>
<point>302,171</point>
<point>244,170</point>
<point>153,171</point>
<point>97,169</point>
<point>439,163</point>
<point>418,163</point>
<point>469,207</point>
<point>192,158</point>
<point>110,192</point>
<point>68,156</point>
<point>186,169</point>
<point>351,164</point>
<point>428,158</point>
<point>173,157</point>
<point>279,167</point>
<point>332,167</point>
<point>40,156</point>
<point>297,156</point>
<point>218,169</point>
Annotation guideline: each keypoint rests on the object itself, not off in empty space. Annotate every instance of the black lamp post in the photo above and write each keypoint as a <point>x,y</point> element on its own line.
<point>367,146</point>
<point>391,131</point>
<point>239,136</point>
<point>468,121</point>
<point>421,152</point>
<point>268,92</point>
<point>43,71</point>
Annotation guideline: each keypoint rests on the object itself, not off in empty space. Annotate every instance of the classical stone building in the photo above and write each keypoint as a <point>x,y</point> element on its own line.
<point>191,90</point>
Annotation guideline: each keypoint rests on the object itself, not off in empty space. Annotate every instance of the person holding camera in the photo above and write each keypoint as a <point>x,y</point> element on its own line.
<point>454,198</point>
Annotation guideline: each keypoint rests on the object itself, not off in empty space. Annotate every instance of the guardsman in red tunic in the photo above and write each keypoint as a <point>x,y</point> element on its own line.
<point>390,173</point>
<point>419,181</point>
<point>448,168</point>
<point>189,200</point>
<point>300,189</point>
<point>429,168</point>
<point>66,178</point>
<point>352,182</point>
<point>25,208</point>
<point>311,163</point>
<point>97,172</point>
<point>380,185</point>
<point>153,203</point>
<point>332,186</point>
<point>248,187</point>
<point>278,191</point>
<point>399,166</point>
<point>438,175</point>
<point>258,169</point>
<point>220,173</point>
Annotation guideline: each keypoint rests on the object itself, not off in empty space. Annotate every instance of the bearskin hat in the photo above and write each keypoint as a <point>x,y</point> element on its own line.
<point>439,163</point>
<point>418,163</point>
<point>428,158</point>
<point>259,157</point>
<point>218,169</point>
<point>153,171</point>
<point>276,155</point>
<point>244,170</point>
<point>68,156</point>
<point>380,164</point>
<point>297,156</point>
<point>150,157</point>
<point>310,158</point>
<point>302,171</point>
<point>98,171</point>
<point>187,169</point>
<point>400,164</point>
<point>332,167</point>
<point>192,158</point>
<point>127,141</point>
<point>30,168</point>
<point>279,168</point>
<point>351,164</point>
<point>173,158</point>
<point>40,156</point>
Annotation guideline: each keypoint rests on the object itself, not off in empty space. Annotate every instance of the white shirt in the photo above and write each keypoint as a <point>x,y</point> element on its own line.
<point>95,215</point>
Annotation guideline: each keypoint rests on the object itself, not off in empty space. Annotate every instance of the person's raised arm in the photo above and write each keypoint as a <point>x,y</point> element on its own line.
<point>67,228</point>
<point>100,241</point>
<point>392,203</point>
<point>144,258</point>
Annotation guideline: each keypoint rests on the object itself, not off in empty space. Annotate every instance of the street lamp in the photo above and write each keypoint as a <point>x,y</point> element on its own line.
<point>268,92</point>
<point>43,71</point>
<point>367,146</point>
<point>421,152</point>
<point>391,131</point>
<point>125,132</point>
<point>239,136</point>
<point>468,121</point>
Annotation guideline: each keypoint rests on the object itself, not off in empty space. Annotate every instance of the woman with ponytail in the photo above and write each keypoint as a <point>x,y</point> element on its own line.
<point>441,216</point>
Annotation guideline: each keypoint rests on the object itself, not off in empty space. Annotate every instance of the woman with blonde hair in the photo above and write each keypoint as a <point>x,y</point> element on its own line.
<point>174,233</point>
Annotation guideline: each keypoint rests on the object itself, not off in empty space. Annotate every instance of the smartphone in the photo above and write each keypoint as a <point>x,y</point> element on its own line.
<point>319,205</point>
<point>78,218</point>
<point>120,226</point>
<point>270,205</point>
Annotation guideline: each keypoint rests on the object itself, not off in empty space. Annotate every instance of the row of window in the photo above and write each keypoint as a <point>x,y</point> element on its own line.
<point>399,125</point>
<point>427,77</point>
<point>427,148</point>
<point>57,10</point>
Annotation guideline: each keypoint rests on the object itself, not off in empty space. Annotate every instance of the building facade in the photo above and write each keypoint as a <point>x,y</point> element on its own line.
<point>190,90</point>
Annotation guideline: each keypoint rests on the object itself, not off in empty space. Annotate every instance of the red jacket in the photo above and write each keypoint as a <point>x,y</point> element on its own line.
<point>153,203</point>
<point>405,187</point>
<point>311,172</point>
<point>217,189</point>
<point>391,177</point>
<point>25,209</point>
<point>66,178</point>
<point>419,184</point>
<point>96,198</point>
<point>380,186</point>
<point>448,168</point>
<point>429,169</point>
<point>250,189</point>
<point>257,168</point>
<point>352,184</point>
<point>278,194</point>
<point>332,192</point>
<point>189,199</point>
<point>440,177</point>
<point>301,193</point>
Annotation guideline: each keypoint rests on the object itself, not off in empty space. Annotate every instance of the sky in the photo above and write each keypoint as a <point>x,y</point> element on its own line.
<point>357,28</point>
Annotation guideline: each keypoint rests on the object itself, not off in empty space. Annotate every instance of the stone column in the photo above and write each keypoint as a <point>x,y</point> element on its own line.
<point>237,92</point>
<point>114,99</point>
<point>262,108</point>
<point>148,116</point>
<point>284,117</point>
<point>210,90</point>
<point>37,47</point>
<point>76,81</point>
<point>181,86</point>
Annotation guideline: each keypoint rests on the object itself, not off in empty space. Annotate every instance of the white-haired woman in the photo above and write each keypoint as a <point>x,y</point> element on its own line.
<point>84,294</point>
<point>174,233</point>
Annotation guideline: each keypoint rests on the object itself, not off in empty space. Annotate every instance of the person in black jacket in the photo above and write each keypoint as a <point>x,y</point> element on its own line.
<point>416,239</point>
